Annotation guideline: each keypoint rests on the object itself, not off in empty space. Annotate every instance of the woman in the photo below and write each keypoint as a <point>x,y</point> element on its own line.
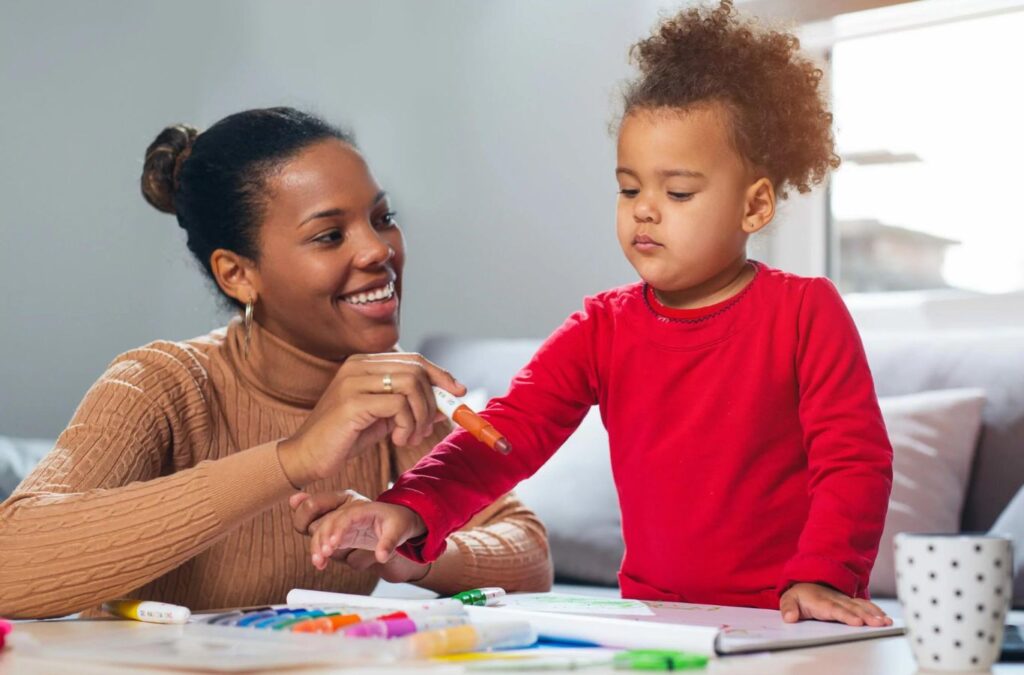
<point>172,480</point>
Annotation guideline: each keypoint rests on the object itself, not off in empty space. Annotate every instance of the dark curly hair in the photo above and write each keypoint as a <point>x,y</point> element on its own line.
<point>215,181</point>
<point>780,122</point>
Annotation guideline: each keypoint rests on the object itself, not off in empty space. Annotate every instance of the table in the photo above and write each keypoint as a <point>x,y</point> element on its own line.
<point>884,656</point>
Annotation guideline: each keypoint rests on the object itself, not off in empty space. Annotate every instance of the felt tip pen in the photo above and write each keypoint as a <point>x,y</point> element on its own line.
<point>5,628</point>
<point>336,621</point>
<point>469,638</point>
<point>392,628</point>
<point>637,659</point>
<point>460,413</point>
<point>480,596</point>
<point>148,611</point>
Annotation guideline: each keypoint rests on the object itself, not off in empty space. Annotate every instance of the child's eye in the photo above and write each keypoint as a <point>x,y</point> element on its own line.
<point>680,196</point>
<point>329,237</point>
<point>387,221</point>
<point>628,193</point>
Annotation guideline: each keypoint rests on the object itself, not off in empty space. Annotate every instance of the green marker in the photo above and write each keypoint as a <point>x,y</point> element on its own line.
<point>638,659</point>
<point>480,596</point>
<point>658,659</point>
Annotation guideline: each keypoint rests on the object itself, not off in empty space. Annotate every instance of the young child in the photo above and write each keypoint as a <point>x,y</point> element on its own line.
<point>749,453</point>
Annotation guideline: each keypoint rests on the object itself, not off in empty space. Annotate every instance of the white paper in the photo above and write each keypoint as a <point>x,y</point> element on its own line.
<point>575,604</point>
<point>706,629</point>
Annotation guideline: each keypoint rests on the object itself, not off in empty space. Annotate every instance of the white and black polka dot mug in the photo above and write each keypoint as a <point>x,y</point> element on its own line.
<point>955,591</point>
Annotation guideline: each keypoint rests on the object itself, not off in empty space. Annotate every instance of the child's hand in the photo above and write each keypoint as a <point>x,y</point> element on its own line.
<point>373,526</point>
<point>398,570</point>
<point>814,601</point>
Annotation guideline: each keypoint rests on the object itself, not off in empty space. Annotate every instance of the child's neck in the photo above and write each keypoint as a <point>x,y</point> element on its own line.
<point>727,283</point>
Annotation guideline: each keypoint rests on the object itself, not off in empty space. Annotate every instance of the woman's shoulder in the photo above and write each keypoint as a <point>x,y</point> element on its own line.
<point>163,367</point>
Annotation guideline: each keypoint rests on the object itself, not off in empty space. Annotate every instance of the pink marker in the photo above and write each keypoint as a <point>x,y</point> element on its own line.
<point>392,628</point>
<point>5,628</point>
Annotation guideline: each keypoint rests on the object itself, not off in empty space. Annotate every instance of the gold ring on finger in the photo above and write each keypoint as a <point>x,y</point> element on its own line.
<point>386,381</point>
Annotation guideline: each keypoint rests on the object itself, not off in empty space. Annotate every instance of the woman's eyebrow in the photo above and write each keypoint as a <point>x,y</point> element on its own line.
<point>333,213</point>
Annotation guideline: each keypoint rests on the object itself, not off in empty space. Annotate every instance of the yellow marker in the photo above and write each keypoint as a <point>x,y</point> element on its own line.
<point>470,638</point>
<point>148,611</point>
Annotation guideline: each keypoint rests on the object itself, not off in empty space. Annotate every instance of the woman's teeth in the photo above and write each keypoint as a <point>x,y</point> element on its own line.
<point>376,295</point>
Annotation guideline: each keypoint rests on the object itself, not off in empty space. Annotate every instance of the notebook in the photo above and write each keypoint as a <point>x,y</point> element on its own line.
<point>705,629</point>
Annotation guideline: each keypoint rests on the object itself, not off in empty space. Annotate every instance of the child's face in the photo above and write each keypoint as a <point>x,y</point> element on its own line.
<point>682,196</point>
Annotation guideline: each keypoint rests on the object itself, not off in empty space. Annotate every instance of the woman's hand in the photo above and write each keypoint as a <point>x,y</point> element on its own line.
<point>307,510</point>
<point>815,601</point>
<point>371,397</point>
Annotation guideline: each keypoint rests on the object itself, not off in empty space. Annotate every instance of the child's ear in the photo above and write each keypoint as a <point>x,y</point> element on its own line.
<point>236,275</point>
<point>760,205</point>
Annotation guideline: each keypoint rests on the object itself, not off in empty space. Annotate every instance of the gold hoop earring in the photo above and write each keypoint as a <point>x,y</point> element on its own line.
<point>247,322</point>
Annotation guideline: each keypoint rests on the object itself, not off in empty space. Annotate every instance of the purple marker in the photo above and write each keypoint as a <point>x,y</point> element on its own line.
<point>392,628</point>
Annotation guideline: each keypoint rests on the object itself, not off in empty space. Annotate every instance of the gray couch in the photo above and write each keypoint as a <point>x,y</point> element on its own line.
<point>573,494</point>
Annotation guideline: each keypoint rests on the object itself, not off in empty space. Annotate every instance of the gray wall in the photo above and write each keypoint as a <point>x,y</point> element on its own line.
<point>487,122</point>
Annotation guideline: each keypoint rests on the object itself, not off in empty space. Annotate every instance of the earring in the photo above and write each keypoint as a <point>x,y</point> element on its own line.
<point>247,322</point>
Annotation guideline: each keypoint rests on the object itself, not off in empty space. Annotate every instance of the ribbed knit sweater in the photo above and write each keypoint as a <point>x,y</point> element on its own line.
<point>166,485</point>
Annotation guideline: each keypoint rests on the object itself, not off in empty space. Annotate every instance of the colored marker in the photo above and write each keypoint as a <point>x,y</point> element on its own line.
<point>148,611</point>
<point>638,659</point>
<point>460,413</point>
<point>469,638</point>
<point>252,617</point>
<point>285,621</point>
<point>225,618</point>
<point>392,628</point>
<point>326,624</point>
<point>5,628</point>
<point>480,596</point>
<point>333,623</point>
<point>658,659</point>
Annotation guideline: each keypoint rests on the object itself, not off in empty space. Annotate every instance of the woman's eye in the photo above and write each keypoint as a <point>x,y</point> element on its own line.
<point>681,196</point>
<point>329,237</point>
<point>629,193</point>
<point>387,220</point>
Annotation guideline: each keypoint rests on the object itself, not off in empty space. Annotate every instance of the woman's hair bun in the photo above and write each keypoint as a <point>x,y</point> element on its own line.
<point>164,158</point>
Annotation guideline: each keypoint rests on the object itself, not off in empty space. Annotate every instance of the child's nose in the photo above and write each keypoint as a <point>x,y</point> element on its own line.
<point>645,212</point>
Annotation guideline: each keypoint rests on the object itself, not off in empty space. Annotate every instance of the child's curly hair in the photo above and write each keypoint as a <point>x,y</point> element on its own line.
<point>780,121</point>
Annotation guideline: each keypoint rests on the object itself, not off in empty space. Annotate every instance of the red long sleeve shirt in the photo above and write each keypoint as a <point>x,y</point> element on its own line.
<point>747,445</point>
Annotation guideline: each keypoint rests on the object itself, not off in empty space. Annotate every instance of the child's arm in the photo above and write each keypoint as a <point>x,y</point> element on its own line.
<point>849,461</point>
<point>545,403</point>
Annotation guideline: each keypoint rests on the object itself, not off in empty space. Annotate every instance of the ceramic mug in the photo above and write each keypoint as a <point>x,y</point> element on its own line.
<point>955,591</point>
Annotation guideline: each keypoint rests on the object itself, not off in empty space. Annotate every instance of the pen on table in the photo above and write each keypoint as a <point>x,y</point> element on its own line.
<point>637,659</point>
<point>335,622</point>
<point>5,628</point>
<point>480,596</point>
<point>148,611</point>
<point>392,628</point>
<point>460,413</point>
<point>470,637</point>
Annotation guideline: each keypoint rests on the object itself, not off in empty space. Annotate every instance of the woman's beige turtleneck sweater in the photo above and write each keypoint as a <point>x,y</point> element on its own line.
<point>166,485</point>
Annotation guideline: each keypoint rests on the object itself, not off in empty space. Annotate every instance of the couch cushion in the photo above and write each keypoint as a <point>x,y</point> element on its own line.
<point>18,456</point>
<point>934,435</point>
<point>992,361</point>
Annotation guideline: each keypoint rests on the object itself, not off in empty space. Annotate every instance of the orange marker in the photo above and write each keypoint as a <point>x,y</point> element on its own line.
<point>460,413</point>
<point>327,624</point>
<point>332,623</point>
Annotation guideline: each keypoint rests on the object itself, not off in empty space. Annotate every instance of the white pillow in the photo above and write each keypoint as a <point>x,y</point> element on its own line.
<point>934,436</point>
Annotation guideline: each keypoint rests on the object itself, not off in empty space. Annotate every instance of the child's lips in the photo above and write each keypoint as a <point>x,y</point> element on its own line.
<point>645,243</point>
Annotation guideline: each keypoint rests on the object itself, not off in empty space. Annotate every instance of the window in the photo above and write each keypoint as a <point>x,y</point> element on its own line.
<point>930,126</point>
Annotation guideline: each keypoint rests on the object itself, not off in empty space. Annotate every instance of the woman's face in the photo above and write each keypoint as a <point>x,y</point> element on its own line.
<point>329,276</point>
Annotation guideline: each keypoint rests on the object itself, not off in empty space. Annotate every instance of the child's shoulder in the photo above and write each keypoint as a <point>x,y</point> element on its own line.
<point>614,300</point>
<point>795,287</point>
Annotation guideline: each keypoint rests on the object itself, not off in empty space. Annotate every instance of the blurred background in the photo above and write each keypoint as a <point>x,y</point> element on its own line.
<point>488,123</point>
